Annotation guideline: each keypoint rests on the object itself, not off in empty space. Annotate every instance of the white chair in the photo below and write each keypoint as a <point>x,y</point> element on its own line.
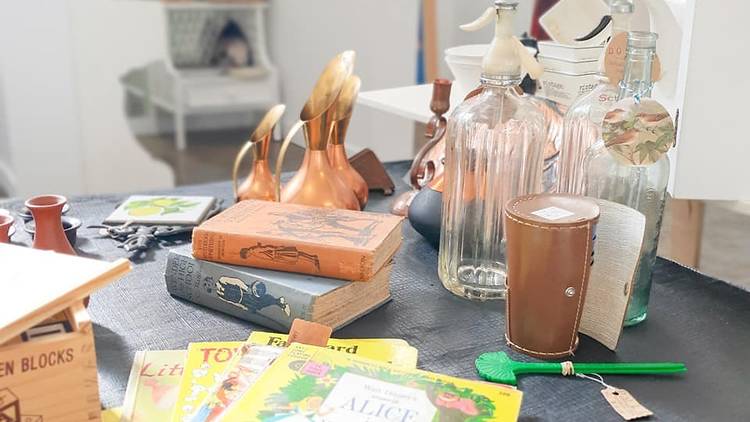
<point>186,83</point>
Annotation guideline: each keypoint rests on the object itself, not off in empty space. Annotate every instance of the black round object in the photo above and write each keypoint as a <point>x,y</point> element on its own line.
<point>70,227</point>
<point>425,214</point>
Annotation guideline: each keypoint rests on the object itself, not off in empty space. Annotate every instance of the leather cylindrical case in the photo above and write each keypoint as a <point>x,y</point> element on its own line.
<point>549,250</point>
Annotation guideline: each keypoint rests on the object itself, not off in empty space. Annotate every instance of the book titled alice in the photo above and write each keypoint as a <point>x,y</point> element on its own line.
<point>308,383</point>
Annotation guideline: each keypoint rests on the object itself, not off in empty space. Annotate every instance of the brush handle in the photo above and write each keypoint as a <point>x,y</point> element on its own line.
<point>639,368</point>
<point>630,368</point>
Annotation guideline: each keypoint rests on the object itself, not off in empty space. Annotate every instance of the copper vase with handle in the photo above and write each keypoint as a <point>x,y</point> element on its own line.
<point>428,163</point>
<point>317,183</point>
<point>260,183</point>
<point>336,148</point>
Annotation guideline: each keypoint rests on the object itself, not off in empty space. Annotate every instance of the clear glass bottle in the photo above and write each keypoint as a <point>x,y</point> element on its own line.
<point>582,125</point>
<point>642,187</point>
<point>494,152</point>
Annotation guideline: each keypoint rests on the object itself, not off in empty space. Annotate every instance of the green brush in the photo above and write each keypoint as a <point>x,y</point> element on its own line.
<point>499,367</point>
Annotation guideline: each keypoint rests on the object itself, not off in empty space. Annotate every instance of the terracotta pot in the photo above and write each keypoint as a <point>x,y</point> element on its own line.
<point>6,222</point>
<point>47,212</point>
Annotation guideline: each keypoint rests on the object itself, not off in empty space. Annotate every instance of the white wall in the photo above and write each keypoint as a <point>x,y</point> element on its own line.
<point>64,107</point>
<point>109,38</point>
<point>39,97</point>
<point>305,35</point>
<point>7,180</point>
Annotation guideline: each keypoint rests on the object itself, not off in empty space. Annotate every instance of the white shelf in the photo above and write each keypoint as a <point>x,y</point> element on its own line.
<point>411,102</point>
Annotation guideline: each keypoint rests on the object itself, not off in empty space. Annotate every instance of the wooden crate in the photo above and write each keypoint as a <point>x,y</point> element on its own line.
<point>53,378</point>
<point>47,356</point>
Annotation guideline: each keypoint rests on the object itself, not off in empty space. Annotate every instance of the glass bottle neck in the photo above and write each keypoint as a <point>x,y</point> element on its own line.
<point>636,79</point>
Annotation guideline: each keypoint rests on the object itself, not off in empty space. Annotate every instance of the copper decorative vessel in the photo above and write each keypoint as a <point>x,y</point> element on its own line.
<point>336,149</point>
<point>428,163</point>
<point>6,222</point>
<point>260,183</point>
<point>47,212</point>
<point>317,183</point>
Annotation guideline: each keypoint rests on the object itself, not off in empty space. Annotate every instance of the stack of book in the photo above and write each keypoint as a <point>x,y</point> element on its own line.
<point>261,379</point>
<point>270,263</point>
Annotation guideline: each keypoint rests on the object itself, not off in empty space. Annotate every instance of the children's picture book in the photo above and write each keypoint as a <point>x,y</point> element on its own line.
<point>206,363</point>
<point>246,367</point>
<point>308,383</point>
<point>204,367</point>
<point>150,209</point>
<point>390,350</point>
<point>153,385</point>
<point>262,348</point>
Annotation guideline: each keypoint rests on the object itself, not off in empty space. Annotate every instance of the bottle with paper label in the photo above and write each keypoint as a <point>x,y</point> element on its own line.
<point>582,125</point>
<point>629,164</point>
<point>494,152</point>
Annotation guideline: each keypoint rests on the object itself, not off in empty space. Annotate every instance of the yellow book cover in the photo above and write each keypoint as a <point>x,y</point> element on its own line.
<point>308,383</point>
<point>204,366</point>
<point>153,385</point>
<point>207,363</point>
<point>395,351</point>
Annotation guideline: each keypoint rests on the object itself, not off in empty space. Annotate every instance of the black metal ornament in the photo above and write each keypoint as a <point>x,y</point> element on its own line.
<point>137,239</point>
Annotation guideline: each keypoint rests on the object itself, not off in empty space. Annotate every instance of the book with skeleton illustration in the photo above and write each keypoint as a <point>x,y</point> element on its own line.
<point>272,298</point>
<point>349,245</point>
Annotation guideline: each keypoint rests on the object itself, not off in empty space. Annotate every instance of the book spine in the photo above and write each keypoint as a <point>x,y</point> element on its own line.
<point>283,255</point>
<point>227,290</point>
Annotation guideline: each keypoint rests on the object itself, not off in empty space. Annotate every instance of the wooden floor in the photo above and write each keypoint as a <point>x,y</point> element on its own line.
<point>210,154</point>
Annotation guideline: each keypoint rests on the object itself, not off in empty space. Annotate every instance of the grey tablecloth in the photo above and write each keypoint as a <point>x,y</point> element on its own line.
<point>693,318</point>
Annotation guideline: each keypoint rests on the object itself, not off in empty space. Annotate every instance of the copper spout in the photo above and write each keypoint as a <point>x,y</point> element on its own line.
<point>316,183</point>
<point>320,108</point>
<point>260,183</point>
<point>336,149</point>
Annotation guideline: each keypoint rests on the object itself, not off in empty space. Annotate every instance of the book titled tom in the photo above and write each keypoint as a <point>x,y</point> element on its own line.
<point>272,298</point>
<point>350,245</point>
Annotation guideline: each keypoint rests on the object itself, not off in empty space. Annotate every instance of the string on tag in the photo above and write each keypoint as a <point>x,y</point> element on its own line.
<point>620,399</point>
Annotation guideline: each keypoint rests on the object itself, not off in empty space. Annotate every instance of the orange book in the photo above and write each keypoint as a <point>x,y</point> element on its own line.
<point>350,245</point>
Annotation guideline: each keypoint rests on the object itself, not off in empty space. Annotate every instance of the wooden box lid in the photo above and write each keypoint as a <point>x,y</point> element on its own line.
<point>38,284</point>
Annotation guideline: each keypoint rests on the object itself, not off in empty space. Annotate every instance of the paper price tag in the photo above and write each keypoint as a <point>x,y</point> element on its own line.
<point>552,213</point>
<point>307,332</point>
<point>625,404</point>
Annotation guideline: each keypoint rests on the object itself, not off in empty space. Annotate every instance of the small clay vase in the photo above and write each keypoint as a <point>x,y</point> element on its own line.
<point>49,234</point>
<point>6,222</point>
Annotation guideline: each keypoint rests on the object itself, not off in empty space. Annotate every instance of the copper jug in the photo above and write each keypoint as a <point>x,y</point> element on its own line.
<point>317,183</point>
<point>428,163</point>
<point>336,149</point>
<point>260,183</point>
<point>49,234</point>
